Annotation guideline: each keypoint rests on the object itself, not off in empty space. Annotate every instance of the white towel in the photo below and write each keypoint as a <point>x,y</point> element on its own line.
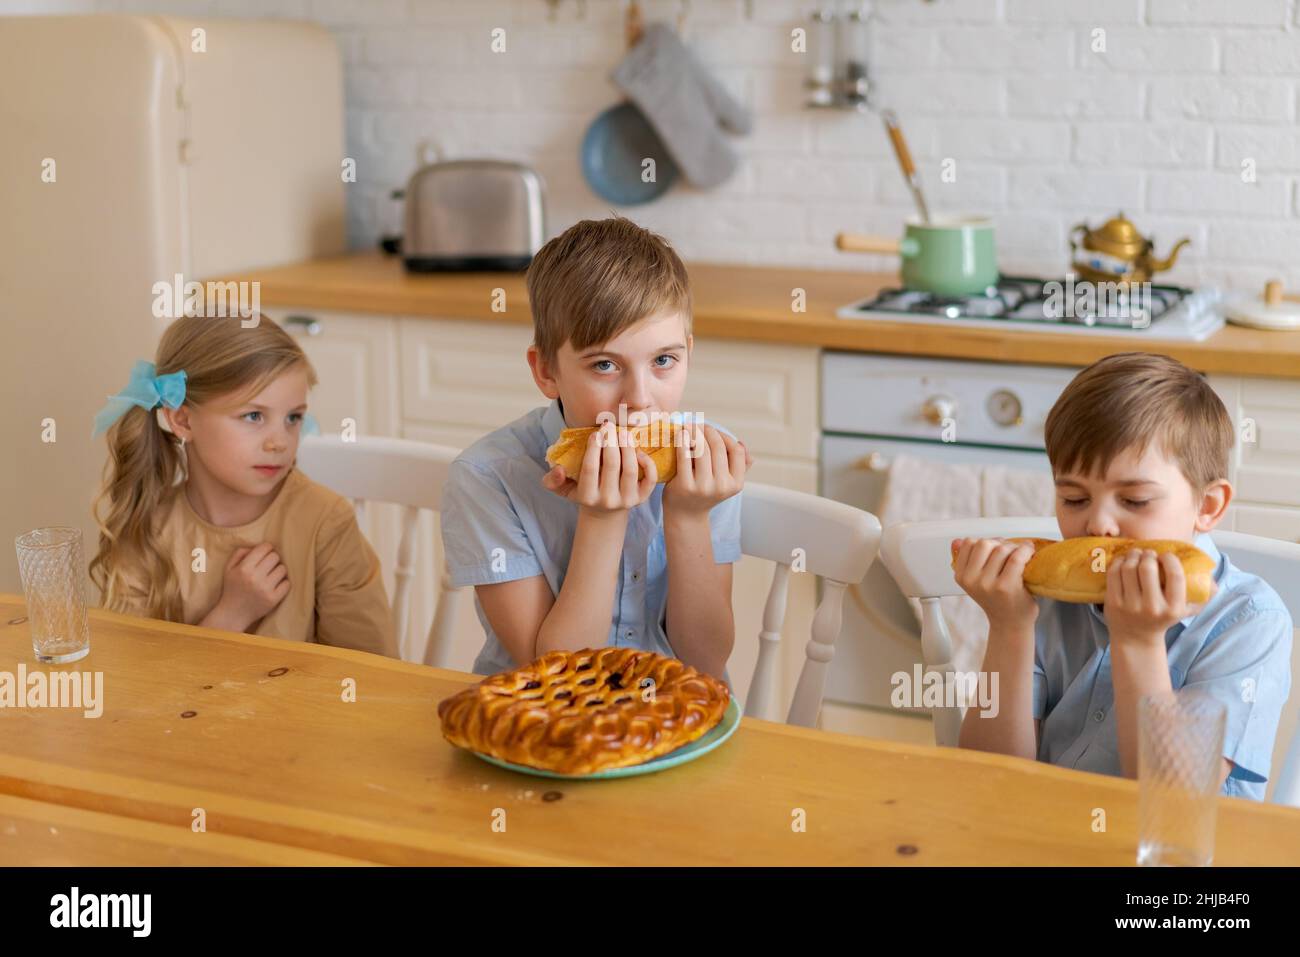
<point>920,491</point>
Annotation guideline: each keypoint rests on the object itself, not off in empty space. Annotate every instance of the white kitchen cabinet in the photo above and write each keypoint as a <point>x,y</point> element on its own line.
<point>464,377</point>
<point>1268,468</point>
<point>467,377</point>
<point>765,394</point>
<point>355,357</point>
<point>1268,521</point>
<point>1264,467</point>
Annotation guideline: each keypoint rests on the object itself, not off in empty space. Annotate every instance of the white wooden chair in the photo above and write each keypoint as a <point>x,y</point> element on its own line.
<point>919,557</point>
<point>830,539</point>
<point>400,472</point>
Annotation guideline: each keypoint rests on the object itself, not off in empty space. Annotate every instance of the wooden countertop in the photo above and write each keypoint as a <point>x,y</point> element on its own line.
<point>754,303</point>
<point>256,733</point>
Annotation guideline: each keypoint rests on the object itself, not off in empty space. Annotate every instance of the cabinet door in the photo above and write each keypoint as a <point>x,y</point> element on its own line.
<point>1281,523</point>
<point>355,358</point>
<point>467,377</point>
<point>1266,456</point>
<point>765,394</point>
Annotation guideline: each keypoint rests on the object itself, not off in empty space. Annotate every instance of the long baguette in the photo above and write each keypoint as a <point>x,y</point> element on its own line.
<point>1074,570</point>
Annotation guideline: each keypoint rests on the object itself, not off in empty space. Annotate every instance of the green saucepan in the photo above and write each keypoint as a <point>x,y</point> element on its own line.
<point>948,256</point>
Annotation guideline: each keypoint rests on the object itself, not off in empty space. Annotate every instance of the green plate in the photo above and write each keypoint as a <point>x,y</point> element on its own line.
<point>719,733</point>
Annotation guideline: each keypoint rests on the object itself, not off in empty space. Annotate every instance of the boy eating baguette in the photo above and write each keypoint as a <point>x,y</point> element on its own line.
<point>604,553</point>
<point>1139,447</point>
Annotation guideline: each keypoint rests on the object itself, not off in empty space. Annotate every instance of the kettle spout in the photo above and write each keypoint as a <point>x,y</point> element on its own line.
<point>1159,265</point>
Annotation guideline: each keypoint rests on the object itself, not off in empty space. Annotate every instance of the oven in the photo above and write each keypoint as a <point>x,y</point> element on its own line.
<point>875,407</point>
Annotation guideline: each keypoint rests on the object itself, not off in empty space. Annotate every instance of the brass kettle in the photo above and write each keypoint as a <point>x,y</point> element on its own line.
<point>1116,252</point>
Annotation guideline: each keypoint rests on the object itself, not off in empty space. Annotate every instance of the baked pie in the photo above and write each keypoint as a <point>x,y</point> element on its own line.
<point>578,712</point>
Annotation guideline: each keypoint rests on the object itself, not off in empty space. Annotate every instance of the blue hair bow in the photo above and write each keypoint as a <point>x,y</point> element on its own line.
<point>145,389</point>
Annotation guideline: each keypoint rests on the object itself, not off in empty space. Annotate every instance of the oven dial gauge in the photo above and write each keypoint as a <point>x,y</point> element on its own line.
<point>1005,408</point>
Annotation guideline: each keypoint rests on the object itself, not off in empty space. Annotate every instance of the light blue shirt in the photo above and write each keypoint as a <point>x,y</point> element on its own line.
<point>1237,649</point>
<point>500,524</point>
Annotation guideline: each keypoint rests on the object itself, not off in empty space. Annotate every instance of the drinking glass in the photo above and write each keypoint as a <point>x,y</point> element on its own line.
<point>1180,760</point>
<point>49,560</point>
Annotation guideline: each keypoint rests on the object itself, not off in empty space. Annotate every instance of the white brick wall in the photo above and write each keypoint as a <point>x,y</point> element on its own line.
<point>1052,111</point>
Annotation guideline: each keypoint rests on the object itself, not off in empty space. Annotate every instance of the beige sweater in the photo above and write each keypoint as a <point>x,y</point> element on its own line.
<point>336,594</point>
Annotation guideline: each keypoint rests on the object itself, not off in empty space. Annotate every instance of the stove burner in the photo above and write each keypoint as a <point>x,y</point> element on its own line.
<point>1024,299</point>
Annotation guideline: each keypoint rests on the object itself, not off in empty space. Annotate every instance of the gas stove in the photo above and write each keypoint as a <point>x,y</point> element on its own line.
<point>1068,306</point>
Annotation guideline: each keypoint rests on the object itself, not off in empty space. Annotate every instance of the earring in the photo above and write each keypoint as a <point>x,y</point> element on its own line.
<point>182,443</point>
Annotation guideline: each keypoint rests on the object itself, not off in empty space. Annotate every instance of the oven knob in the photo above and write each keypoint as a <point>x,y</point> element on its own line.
<point>938,409</point>
<point>1005,408</point>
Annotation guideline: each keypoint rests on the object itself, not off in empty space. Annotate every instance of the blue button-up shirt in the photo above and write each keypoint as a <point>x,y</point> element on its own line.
<point>500,524</point>
<point>1237,649</point>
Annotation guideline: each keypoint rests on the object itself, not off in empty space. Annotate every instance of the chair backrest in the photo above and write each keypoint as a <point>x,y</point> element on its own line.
<point>399,472</point>
<point>919,557</point>
<point>805,533</point>
<point>919,554</point>
<point>378,469</point>
<point>1278,563</point>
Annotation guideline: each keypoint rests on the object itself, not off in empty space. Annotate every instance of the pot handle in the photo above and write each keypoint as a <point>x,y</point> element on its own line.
<point>857,243</point>
<point>1080,227</point>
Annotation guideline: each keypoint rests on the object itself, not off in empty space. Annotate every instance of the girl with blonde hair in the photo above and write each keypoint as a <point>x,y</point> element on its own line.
<point>209,522</point>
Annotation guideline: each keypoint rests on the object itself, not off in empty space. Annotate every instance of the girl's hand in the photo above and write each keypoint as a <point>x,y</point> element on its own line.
<point>992,572</point>
<point>714,473</point>
<point>255,582</point>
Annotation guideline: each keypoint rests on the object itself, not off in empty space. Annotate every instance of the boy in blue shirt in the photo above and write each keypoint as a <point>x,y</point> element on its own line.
<point>600,558</point>
<point>1139,449</point>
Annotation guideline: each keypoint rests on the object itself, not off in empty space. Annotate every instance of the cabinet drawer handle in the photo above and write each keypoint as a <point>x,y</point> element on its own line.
<point>875,462</point>
<point>307,324</point>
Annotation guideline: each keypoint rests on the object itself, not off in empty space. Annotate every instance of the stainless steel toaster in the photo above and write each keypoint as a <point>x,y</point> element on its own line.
<point>474,214</point>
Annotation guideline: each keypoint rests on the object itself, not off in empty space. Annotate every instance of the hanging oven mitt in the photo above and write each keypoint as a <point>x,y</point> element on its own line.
<point>687,105</point>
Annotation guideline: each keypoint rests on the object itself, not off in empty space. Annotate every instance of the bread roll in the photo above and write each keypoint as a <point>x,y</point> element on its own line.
<point>1074,570</point>
<point>1065,570</point>
<point>657,439</point>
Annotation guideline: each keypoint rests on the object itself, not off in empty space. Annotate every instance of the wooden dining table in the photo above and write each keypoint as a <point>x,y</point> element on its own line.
<point>219,748</point>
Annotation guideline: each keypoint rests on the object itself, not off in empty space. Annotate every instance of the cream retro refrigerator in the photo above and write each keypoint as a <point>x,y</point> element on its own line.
<point>133,148</point>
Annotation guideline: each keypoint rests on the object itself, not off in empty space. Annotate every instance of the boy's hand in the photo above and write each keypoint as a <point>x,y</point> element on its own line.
<point>992,572</point>
<point>716,473</point>
<point>255,581</point>
<point>608,479</point>
<point>1139,609</point>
